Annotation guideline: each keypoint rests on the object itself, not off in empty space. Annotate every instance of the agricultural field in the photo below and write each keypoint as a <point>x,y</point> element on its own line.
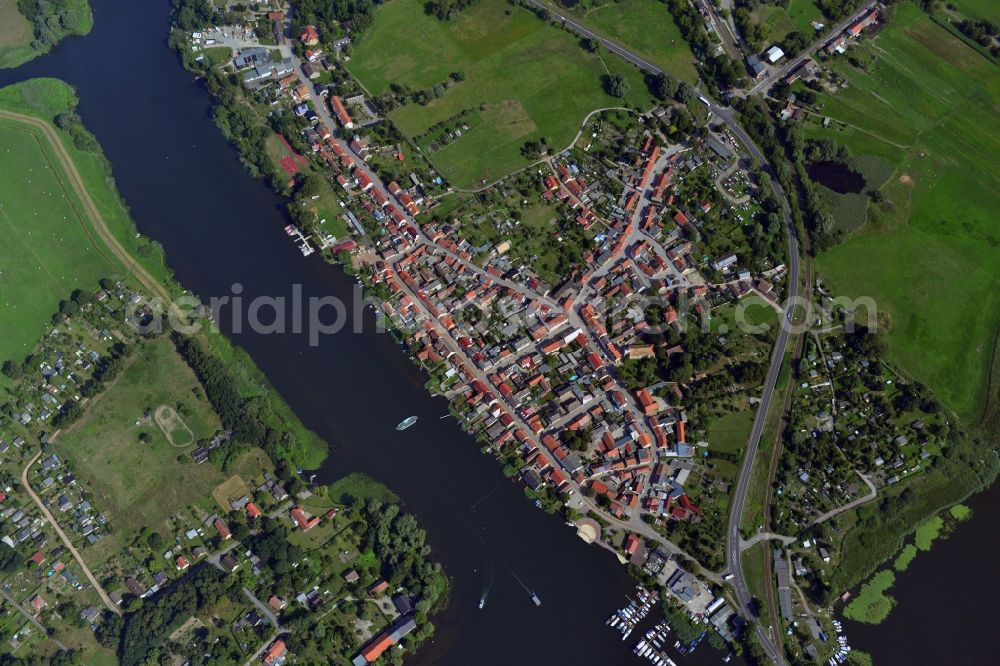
<point>930,257</point>
<point>646,27</point>
<point>47,250</point>
<point>126,458</point>
<point>526,79</point>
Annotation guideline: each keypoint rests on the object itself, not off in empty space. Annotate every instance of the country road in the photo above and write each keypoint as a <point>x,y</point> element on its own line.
<point>728,116</point>
<point>111,606</point>
<point>31,618</point>
<point>105,242</point>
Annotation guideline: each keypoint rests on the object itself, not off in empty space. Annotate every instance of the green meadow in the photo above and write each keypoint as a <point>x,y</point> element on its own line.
<point>47,250</point>
<point>141,483</point>
<point>988,10</point>
<point>645,27</point>
<point>15,33</point>
<point>929,256</point>
<point>525,78</point>
<point>780,21</point>
<point>18,39</point>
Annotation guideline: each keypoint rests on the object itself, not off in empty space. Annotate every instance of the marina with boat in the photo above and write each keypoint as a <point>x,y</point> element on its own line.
<point>624,620</point>
<point>300,239</point>
<point>653,645</point>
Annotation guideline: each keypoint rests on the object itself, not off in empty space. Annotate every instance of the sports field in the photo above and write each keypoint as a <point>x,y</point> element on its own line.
<point>931,259</point>
<point>47,250</point>
<point>526,79</point>
<point>140,483</point>
<point>646,27</point>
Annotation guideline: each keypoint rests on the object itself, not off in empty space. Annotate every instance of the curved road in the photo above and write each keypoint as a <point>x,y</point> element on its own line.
<point>106,240</point>
<point>727,115</point>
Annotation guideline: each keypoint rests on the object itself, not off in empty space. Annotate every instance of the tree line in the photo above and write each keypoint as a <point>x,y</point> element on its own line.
<point>138,636</point>
<point>446,10</point>
<point>51,20</point>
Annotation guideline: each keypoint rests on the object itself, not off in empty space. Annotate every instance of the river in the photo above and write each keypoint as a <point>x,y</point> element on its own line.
<point>945,609</point>
<point>187,189</point>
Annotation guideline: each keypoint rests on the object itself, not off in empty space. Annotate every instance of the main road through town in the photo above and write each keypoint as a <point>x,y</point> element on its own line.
<point>727,115</point>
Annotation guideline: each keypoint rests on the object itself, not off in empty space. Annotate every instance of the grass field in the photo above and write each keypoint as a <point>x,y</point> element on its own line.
<point>931,260</point>
<point>758,579</point>
<point>17,35</point>
<point>730,432</point>
<point>525,78</point>
<point>47,250</point>
<point>218,55</point>
<point>646,27</point>
<point>46,98</point>
<point>142,484</point>
<point>780,21</point>
<point>15,30</point>
<point>979,9</point>
<point>749,312</point>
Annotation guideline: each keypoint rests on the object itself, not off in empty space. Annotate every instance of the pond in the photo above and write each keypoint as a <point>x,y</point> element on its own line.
<point>837,176</point>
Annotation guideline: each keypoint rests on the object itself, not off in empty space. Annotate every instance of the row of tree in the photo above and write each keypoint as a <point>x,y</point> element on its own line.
<point>138,635</point>
<point>446,10</point>
<point>51,20</point>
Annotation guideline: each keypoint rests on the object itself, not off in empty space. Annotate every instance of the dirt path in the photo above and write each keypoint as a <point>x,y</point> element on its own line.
<point>111,606</point>
<point>872,492</point>
<point>107,239</point>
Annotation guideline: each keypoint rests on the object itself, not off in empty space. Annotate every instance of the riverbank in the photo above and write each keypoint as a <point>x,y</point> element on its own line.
<point>873,604</point>
<point>395,551</point>
<point>52,100</point>
<point>352,387</point>
<point>31,28</point>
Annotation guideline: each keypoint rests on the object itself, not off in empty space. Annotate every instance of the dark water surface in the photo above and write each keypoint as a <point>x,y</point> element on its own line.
<point>187,189</point>
<point>946,600</point>
<point>837,176</point>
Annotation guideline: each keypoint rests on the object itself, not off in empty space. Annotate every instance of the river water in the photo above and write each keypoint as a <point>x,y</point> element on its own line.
<point>946,600</point>
<point>187,189</point>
